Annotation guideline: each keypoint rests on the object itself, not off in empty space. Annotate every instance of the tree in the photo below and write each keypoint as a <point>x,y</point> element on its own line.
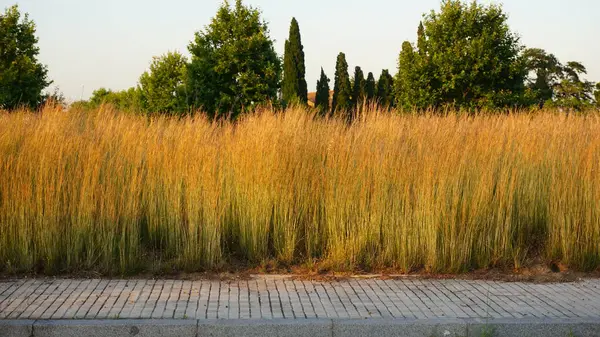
<point>556,84</point>
<point>22,76</point>
<point>597,94</point>
<point>126,100</point>
<point>370,87</point>
<point>385,90</point>
<point>466,57</point>
<point>342,90</point>
<point>547,70</point>
<point>322,95</point>
<point>294,87</point>
<point>163,86</point>
<point>359,88</point>
<point>572,92</point>
<point>234,66</point>
<point>421,40</point>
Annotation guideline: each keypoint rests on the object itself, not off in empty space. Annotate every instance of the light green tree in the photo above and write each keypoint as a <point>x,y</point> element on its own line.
<point>162,88</point>
<point>125,100</point>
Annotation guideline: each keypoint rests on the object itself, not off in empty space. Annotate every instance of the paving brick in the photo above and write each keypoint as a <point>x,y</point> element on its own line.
<point>78,304</point>
<point>131,298</point>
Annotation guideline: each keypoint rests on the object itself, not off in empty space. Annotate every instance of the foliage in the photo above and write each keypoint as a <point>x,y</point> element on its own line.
<point>342,90</point>
<point>162,88</point>
<point>234,66</point>
<point>22,77</point>
<point>358,87</point>
<point>572,92</point>
<point>385,90</point>
<point>122,193</point>
<point>129,100</point>
<point>466,57</point>
<point>556,84</point>
<point>597,94</point>
<point>322,94</point>
<point>547,70</point>
<point>370,87</point>
<point>293,86</point>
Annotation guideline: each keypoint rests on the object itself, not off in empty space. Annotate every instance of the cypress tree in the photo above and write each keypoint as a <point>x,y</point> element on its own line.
<point>322,95</point>
<point>385,95</point>
<point>421,41</point>
<point>294,85</point>
<point>370,87</point>
<point>358,91</point>
<point>342,90</point>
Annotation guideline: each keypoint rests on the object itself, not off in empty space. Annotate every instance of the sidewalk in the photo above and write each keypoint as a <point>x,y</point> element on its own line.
<point>279,301</point>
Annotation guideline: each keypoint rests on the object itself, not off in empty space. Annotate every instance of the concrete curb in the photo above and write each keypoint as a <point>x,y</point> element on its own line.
<point>302,328</point>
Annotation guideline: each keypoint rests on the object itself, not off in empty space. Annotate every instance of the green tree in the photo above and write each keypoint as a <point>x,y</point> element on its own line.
<point>421,40</point>
<point>294,86</point>
<point>597,94</point>
<point>572,92</point>
<point>322,94</point>
<point>385,90</point>
<point>163,86</point>
<point>234,66</point>
<point>129,100</point>
<point>466,57</point>
<point>22,76</point>
<point>342,90</point>
<point>370,87</point>
<point>556,84</point>
<point>359,87</point>
<point>547,70</point>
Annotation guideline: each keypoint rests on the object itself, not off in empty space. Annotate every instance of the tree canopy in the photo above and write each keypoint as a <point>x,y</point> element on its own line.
<point>234,66</point>
<point>22,76</point>
<point>163,86</point>
<point>124,100</point>
<point>555,84</point>
<point>466,56</point>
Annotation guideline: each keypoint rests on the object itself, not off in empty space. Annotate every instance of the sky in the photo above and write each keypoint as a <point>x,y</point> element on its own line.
<point>88,44</point>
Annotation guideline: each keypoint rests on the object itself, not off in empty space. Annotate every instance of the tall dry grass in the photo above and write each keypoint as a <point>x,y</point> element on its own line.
<point>112,192</point>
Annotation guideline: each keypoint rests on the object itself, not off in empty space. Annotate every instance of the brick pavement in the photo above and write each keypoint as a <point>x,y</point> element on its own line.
<point>269,298</point>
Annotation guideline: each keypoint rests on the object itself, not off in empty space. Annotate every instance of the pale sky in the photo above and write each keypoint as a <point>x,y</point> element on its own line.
<point>88,44</point>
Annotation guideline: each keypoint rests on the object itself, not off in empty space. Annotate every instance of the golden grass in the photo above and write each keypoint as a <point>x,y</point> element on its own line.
<point>117,193</point>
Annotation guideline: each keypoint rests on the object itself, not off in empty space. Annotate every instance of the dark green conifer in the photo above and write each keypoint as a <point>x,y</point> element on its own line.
<point>342,88</point>
<point>294,86</point>
<point>370,87</point>
<point>358,90</point>
<point>322,95</point>
<point>385,90</point>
